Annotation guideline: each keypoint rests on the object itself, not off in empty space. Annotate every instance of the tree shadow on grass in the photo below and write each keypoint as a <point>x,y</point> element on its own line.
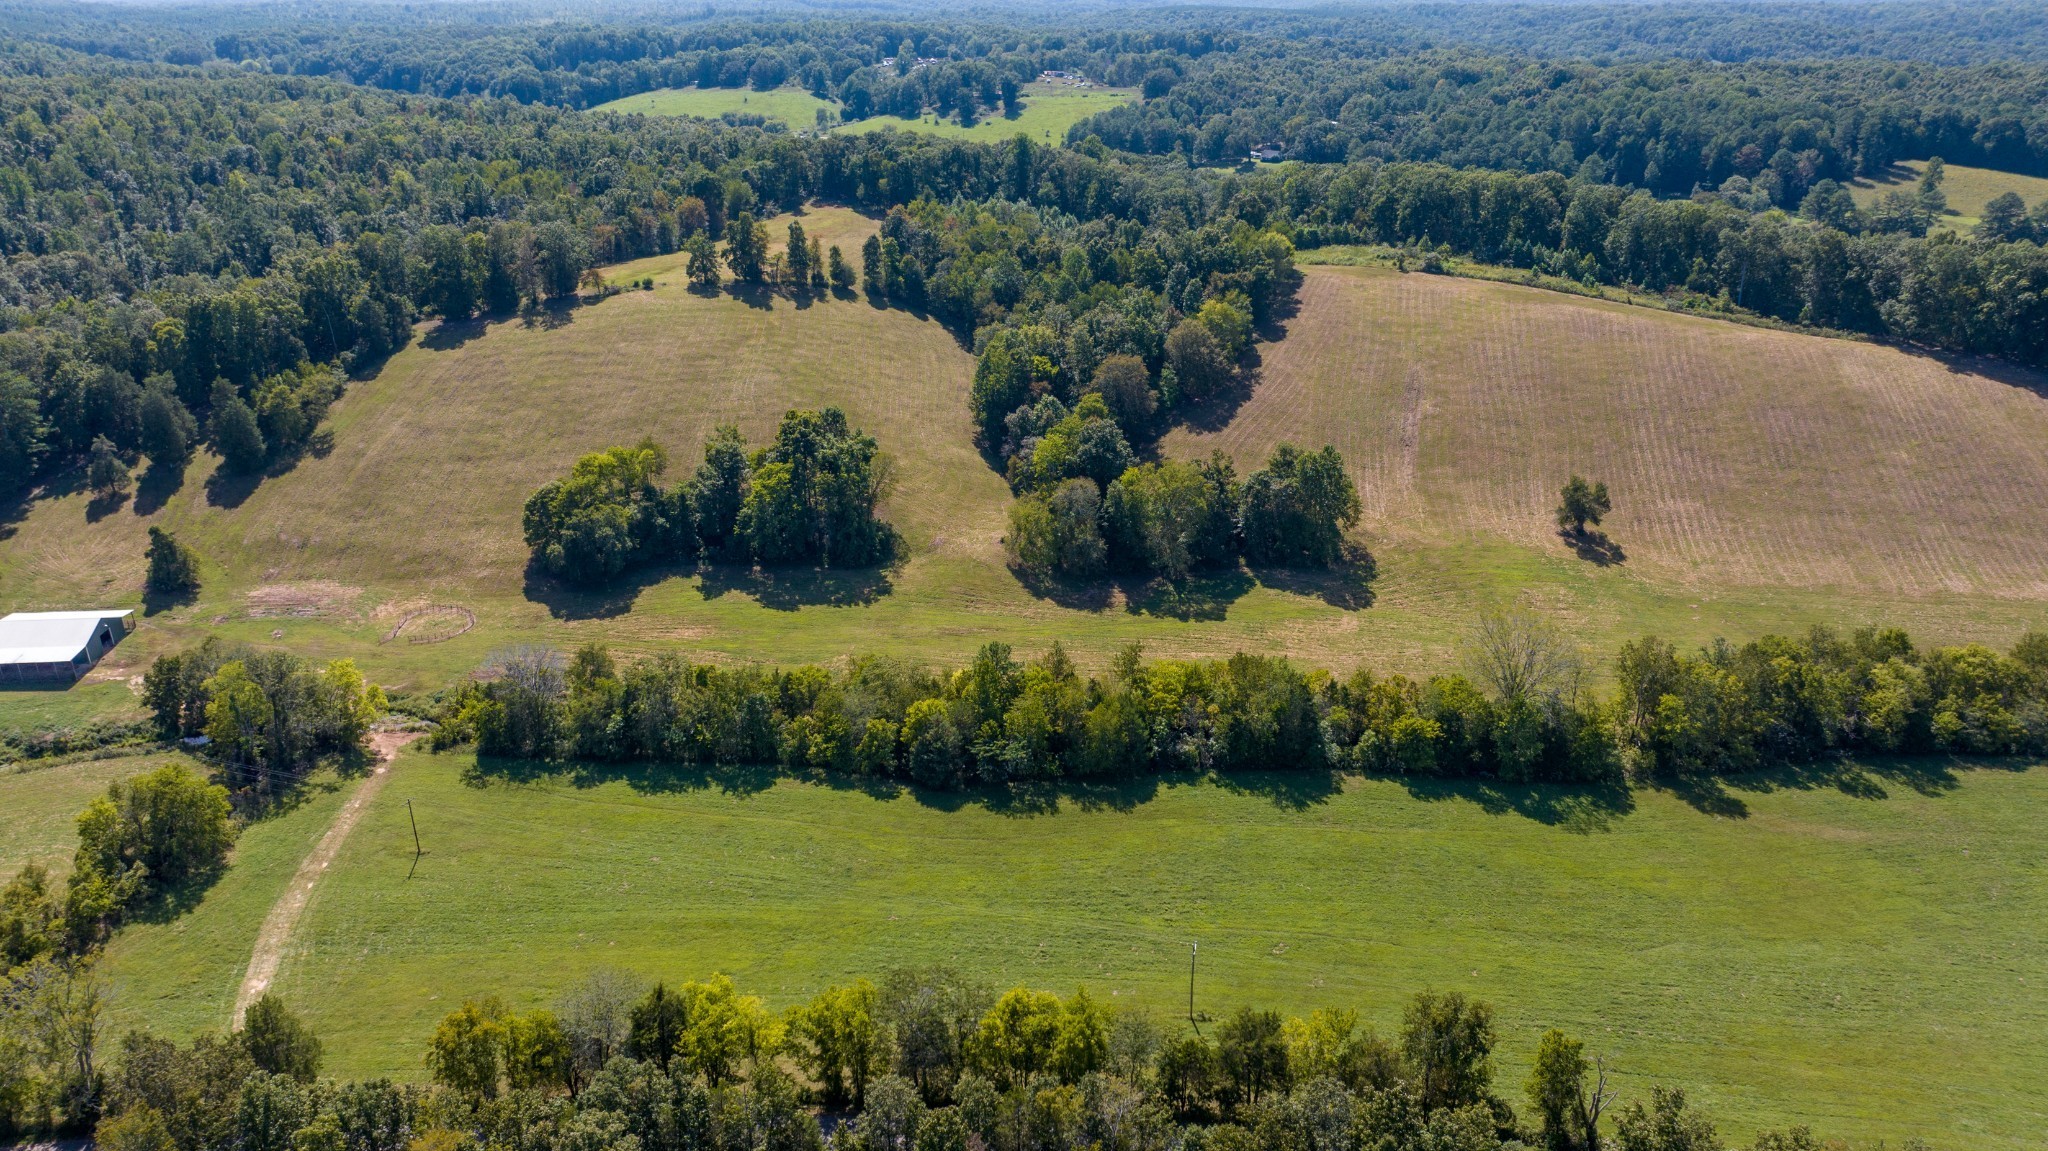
<point>758,296</point>
<point>777,589</point>
<point>1860,777</point>
<point>104,504</point>
<point>1206,595</point>
<point>447,336</point>
<point>643,778</point>
<point>1594,546</point>
<point>1578,808</point>
<point>226,489</point>
<point>156,487</point>
<point>787,589</point>
<point>572,601</point>
<point>1348,585</point>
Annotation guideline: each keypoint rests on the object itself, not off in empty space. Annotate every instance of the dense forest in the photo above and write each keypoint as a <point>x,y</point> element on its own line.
<point>207,233</point>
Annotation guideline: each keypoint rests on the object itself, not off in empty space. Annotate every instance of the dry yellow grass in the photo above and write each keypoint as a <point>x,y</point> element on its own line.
<point>1737,456</point>
<point>1763,481</point>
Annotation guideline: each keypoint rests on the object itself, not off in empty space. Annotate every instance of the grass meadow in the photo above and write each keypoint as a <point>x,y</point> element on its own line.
<point>42,801</point>
<point>1049,110</point>
<point>796,108</point>
<point>1967,189</point>
<point>1867,954</point>
<point>1763,480</point>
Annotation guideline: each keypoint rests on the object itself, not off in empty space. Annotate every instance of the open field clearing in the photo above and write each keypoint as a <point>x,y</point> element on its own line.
<point>792,106</point>
<point>1762,480</point>
<point>1872,966</point>
<point>1737,456</point>
<point>1049,110</point>
<point>1967,189</point>
<point>42,801</point>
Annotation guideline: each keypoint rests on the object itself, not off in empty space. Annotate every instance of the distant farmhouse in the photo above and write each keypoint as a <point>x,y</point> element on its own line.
<point>1267,153</point>
<point>58,646</point>
<point>889,62</point>
<point>1054,76</point>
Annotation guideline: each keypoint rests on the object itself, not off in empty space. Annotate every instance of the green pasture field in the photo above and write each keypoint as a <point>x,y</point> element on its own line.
<point>41,801</point>
<point>1867,953</point>
<point>1049,110</point>
<point>1967,189</point>
<point>1763,480</point>
<point>794,107</point>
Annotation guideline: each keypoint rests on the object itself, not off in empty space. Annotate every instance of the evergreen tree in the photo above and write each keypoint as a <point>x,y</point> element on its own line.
<point>798,255</point>
<point>873,280</point>
<point>841,273</point>
<point>107,473</point>
<point>167,427</point>
<point>235,433</point>
<point>173,568</point>
<point>746,248</point>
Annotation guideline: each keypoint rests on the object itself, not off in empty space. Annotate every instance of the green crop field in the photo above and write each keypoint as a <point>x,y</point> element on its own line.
<point>1870,957</point>
<point>1763,481</point>
<point>1967,189</point>
<point>1049,110</point>
<point>792,106</point>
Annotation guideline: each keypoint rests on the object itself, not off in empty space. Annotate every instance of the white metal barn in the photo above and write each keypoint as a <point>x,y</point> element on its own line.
<point>40,646</point>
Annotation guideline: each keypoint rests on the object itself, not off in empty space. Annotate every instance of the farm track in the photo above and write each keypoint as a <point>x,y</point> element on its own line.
<point>276,932</point>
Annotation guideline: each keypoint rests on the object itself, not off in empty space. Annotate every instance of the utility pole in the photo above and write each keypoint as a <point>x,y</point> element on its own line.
<point>417,850</point>
<point>1193,949</point>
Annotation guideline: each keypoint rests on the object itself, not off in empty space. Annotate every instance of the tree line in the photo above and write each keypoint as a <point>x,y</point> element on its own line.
<point>807,498</point>
<point>1522,711</point>
<point>1828,266</point>
<point>922,1060</point>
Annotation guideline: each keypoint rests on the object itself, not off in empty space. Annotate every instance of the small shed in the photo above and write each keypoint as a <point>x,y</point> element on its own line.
<point>58,646</point>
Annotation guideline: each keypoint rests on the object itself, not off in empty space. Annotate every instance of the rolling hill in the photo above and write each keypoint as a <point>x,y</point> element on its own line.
<point>1763,480</point>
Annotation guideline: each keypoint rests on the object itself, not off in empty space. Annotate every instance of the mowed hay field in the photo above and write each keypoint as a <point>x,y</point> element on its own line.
<point>1049,110</point>
<point>793,106</point>
<point>1763,481</point>
<point>1876,967</point>
<point>1967,190</point>
<point>1742,460</point>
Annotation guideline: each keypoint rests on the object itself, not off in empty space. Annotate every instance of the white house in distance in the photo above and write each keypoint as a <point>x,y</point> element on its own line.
<point>60,646</point>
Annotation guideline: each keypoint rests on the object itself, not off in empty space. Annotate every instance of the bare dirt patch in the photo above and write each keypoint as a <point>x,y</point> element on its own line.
<point>307,600</point>
<point>434,624</point>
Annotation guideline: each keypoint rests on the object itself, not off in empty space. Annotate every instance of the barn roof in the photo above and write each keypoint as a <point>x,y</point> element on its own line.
<point>51,636</point>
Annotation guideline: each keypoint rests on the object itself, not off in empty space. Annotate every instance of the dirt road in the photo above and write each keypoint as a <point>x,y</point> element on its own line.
<point>284,914</point>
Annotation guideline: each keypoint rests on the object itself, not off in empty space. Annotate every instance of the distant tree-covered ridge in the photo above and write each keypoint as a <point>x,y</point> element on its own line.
<point>192,254</point>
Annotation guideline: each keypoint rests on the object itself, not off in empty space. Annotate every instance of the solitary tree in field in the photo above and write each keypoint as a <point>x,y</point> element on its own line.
<point>106,475</point>
<point>746,248</point>
<point>703,268</point>
<point>799,256</point>
<point>173,569</point>
<point>873,280</point>
<point>1582,503</point>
